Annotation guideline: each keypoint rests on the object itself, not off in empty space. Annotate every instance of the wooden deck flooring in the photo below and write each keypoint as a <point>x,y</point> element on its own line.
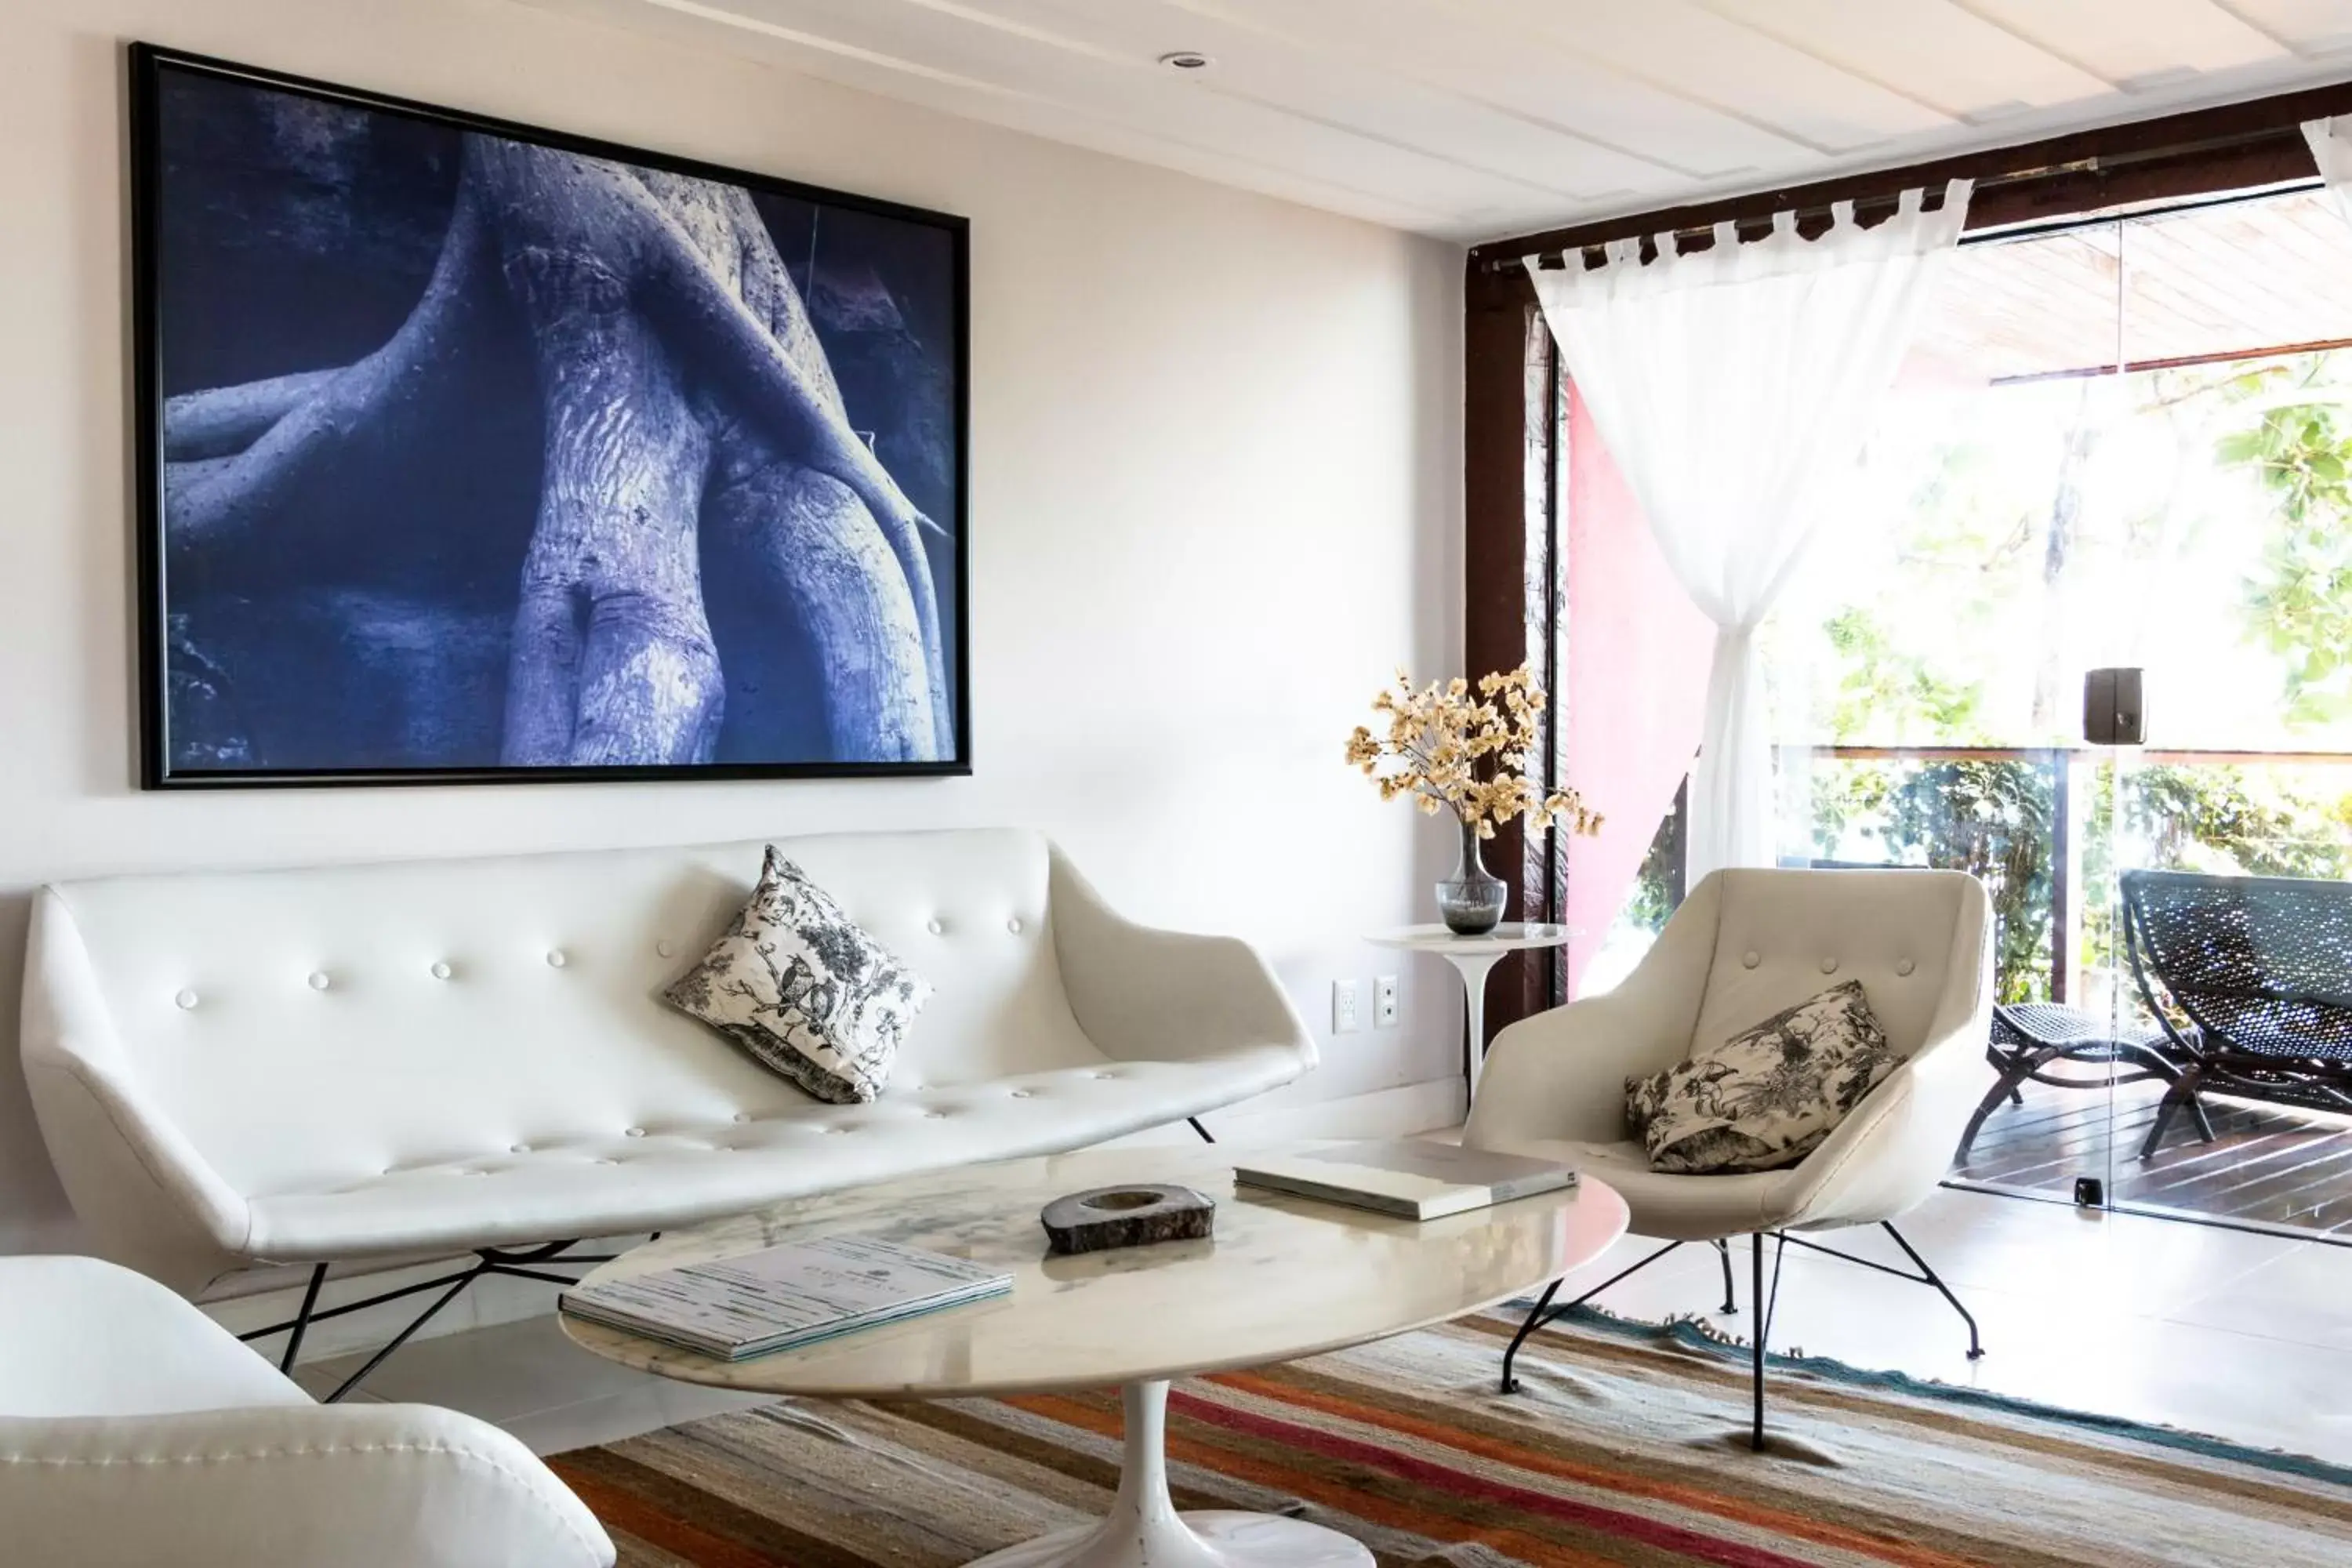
<point>2269,1165</point>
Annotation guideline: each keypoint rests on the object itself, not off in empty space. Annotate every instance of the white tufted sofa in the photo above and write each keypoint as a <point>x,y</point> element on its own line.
<point>406,1059</point>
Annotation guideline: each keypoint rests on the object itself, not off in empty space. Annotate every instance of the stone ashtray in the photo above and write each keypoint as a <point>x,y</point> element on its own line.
<point>1127,1217</point>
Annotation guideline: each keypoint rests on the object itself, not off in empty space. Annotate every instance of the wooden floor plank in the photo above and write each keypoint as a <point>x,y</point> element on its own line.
<point>2267,1163</point>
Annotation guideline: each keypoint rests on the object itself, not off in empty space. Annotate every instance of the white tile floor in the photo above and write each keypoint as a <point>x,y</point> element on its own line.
<point>2241,1336</point>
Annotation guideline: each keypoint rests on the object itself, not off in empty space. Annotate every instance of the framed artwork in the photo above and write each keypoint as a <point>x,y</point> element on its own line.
<point>474,452</point>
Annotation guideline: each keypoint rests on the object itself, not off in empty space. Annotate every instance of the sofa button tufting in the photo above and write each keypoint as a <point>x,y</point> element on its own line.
<point>442,970</point>
<point>934,927</point>
<point>1750,959</point>
<point>742,1116</point>
<point>186,1000</point>
<point>665,947</point>
<point>1105,1075</point>
<point>519,1149</point>
<point>319,981</point>
<point>935,1116</point>
<point>1013,925</point>
<point>1021,1094</point>
<point>1829,967</point>
<point>635,1132</point>
<point>555,958</point>
<point>1905,967</point>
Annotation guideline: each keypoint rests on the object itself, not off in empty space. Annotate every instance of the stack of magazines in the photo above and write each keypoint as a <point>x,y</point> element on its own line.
<point>787,1297</point>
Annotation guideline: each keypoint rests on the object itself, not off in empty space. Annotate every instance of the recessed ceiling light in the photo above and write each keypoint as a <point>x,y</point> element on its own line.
<point>1186,60</point>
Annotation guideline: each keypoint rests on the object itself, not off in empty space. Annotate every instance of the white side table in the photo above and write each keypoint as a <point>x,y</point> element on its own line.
<point>1471,957</point>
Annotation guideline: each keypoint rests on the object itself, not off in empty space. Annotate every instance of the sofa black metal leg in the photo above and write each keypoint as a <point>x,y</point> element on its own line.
<point>1976,1344</point>
<point>513,1263</point>
<point>1722,1254</point>
<point>1203,1131</point>
<point>302,1318</point>
<point>400,1339</point>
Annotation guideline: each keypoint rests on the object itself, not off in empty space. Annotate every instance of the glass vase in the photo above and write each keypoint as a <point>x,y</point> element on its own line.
<point>1471,901</point>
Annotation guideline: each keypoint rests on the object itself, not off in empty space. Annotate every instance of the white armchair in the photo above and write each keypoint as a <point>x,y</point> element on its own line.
<point>134,1430</point>
<point>1744,945</point>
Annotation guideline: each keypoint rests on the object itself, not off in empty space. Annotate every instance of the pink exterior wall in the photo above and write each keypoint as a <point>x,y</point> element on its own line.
<point>1637,660</point>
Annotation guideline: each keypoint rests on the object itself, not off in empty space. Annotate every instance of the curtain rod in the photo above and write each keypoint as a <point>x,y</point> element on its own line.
<point>1932,176</point>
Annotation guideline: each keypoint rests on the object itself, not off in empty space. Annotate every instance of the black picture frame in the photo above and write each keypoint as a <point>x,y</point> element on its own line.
<point>148,66</point>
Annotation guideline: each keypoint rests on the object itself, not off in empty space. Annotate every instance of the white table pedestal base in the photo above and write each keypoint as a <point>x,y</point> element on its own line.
<point>1473,958</point>
<point>1144,1530</point>
<point>1473,968</point>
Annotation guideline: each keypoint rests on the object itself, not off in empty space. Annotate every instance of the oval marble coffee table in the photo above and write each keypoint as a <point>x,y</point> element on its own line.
<point>1283,1277</point>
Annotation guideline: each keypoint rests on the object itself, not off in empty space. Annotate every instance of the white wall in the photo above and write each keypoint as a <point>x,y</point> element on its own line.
<point>1215,470</point>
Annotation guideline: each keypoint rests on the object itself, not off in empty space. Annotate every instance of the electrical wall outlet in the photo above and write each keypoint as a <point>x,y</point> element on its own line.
<point>1346,1014</point>
<point>1384,1001</point>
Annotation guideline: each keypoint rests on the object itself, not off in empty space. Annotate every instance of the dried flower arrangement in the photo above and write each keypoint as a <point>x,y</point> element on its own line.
<point>1453,752</point>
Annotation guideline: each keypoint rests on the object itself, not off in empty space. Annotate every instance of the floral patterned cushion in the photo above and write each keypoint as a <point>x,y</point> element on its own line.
<point>805,989</point>
<point>1768,1096</point>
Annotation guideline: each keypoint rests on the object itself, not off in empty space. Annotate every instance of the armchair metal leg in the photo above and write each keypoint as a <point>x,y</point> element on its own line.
<point>1763,1327</point>
<point>1544,1312</point>
<point>1722,1254</point>
<point>1929,1276</point>
<point>1764,1297</point>
<point>1926,1276</point>
<point>1203,1131</point>
<point>1534,1315</point>
<point>1766,1303</point>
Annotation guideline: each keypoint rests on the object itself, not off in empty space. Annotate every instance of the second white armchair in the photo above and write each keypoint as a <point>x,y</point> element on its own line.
<point>1744,945</point>
<point>136,1430</point>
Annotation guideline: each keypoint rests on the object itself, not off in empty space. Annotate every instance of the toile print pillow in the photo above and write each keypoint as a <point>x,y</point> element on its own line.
<point>805,989</point>
<point>1766,1096</point>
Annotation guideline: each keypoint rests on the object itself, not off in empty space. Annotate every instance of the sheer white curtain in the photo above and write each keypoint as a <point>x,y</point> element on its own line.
<point>1730,385</point>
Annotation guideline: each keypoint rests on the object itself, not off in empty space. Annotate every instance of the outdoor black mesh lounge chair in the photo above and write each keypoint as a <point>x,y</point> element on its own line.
<point>2261,970</point>
<point>2030,1039</point>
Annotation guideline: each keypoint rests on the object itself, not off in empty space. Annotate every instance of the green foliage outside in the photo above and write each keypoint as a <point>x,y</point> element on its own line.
<point>1886,674</point>
<point>2300,604</point>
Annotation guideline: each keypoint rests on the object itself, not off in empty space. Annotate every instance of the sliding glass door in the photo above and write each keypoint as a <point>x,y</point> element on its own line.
<point>2115,485</point>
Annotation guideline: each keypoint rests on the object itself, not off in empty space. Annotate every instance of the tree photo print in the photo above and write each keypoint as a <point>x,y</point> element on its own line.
<point>474,451</point>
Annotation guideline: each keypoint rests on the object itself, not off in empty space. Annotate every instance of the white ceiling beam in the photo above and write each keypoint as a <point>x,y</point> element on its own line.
<point>1929,51</point>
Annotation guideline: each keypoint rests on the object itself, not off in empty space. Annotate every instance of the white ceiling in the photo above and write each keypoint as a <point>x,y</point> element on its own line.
<point>1474,118</point>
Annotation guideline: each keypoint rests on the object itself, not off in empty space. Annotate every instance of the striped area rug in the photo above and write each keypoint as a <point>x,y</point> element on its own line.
<point>1624,1448</point>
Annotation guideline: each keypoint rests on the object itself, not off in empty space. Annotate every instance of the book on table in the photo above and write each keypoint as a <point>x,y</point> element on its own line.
<point>787,1297</point>
<point>1405,1176</point>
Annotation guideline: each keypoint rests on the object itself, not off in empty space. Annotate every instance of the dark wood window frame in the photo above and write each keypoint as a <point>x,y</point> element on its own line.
<point>1515,452</point>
